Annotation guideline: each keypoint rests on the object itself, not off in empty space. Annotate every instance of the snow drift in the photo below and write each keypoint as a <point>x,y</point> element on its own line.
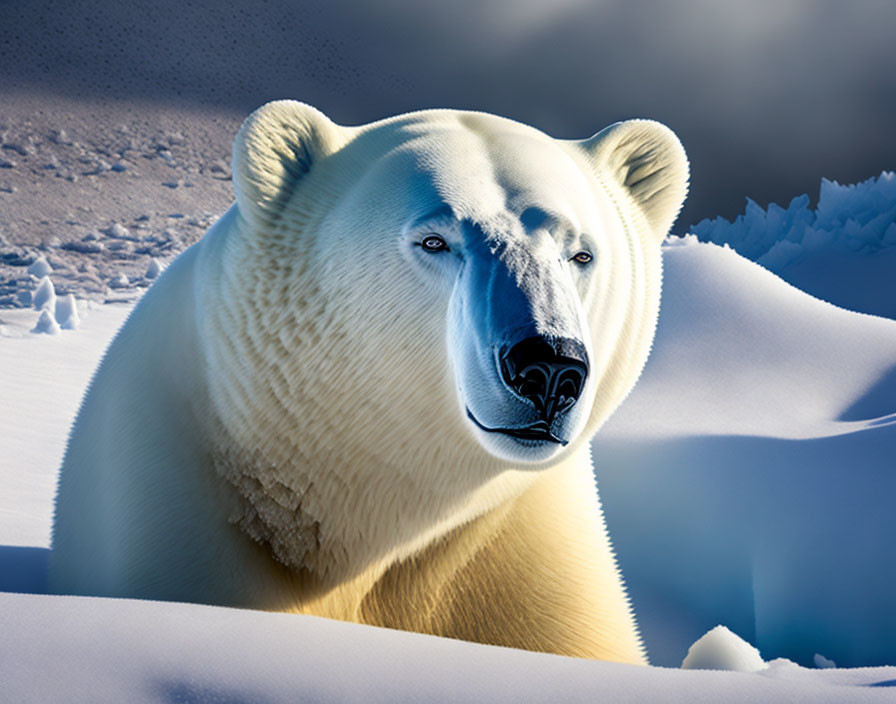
<point>748,479</point>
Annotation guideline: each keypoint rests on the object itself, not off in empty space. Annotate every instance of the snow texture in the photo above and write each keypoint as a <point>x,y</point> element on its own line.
<point>748,479</point>
<point>720,649</point>
<point>69,649</point>
<point>843,251</point>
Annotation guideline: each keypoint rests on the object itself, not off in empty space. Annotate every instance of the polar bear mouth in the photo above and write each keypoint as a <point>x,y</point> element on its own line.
<point>538,431</point>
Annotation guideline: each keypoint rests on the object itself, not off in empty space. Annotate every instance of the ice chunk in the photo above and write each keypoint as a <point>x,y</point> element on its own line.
<point>720,649</point>
<point>67,313</point>
<point>120,281</point>
<point>120,231</point>
<point>154,269</point>
<point>822,662</point>
<point>44,295</point>
<point>40,268</point>
<point>46,323</point>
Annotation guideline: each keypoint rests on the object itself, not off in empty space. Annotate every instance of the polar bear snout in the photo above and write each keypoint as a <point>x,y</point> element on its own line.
<point>547,372</point>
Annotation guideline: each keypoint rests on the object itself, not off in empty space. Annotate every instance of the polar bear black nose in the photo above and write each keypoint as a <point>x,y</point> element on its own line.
<point>549,372</point>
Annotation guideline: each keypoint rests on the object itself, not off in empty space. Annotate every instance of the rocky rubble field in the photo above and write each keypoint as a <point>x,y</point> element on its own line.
<point>98,204</point>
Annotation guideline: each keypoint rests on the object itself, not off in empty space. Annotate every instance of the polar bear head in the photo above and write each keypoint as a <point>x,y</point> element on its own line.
<point>441,283</point>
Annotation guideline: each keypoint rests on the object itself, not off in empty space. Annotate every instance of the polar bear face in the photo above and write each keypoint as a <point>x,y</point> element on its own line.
<point>455,276</point>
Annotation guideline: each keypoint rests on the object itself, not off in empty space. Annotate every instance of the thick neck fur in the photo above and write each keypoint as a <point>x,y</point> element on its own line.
<point>294,388</point>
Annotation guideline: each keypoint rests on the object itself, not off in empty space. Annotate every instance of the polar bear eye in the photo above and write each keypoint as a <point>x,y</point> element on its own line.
<point>582,257</point>
<point>434,243</point>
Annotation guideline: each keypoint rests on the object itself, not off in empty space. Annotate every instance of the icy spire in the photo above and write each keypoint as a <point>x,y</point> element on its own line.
<point>45,295</point>
<point>46,323</point>
<point>67,313</point>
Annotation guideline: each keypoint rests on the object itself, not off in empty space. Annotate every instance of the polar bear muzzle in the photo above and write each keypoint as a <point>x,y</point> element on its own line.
<point>549,373</point>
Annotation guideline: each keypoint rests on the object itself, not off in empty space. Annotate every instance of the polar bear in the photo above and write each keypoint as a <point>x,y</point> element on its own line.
<point>368,392</point>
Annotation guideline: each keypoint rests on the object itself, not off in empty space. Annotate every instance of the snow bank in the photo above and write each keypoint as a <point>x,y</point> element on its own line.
<point>720,649</point>
<point>69,649</point>
<point>748,479</point>
<point>41,385</point>
<point>825,251</point>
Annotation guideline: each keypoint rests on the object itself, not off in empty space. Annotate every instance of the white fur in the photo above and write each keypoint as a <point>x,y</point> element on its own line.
<point>278,423</point>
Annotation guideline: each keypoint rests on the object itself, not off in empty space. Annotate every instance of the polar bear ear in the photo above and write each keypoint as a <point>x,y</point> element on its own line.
<point>276,146</point>
<point>646,160</point>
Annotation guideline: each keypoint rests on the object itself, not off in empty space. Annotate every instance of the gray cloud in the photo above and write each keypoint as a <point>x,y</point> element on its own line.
<point>767,96</point>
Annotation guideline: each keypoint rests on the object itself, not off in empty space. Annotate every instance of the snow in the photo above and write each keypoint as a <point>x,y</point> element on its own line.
<point>44,295</point>
<point>40,268</point>
<point>720,649</point>
<point>748,479</point>
<point>822,662</point>
<point>67,312</point>
<point>42,379</point>
<point>843,251</point>
<point>154,269</point>
<point>46,323</point>
<point>119,650</point>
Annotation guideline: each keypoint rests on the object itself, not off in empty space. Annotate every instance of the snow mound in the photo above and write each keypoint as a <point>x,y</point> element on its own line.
<point>720,649</point>
<point>826,251</point>
<point>44,296</point>
<point>748,478</point>
<point>154,269</point>
<point>46,323</point>
<point>75,649</point>
<point>119,281</point>
<point>40,268</point>
<point>67,313</point>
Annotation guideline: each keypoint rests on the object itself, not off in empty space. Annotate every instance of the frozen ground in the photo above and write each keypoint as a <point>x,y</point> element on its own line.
<point>99,190</point>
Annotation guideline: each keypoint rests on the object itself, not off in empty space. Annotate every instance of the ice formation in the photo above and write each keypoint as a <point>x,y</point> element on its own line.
<point>40,268</point>
<point>720,649</point>
<point>857,218</point>
<point>67,313</point>
<point>46,323</point>
<point>44,295</point>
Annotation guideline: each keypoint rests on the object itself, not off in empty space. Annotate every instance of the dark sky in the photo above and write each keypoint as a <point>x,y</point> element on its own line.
<point>768,96</point>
